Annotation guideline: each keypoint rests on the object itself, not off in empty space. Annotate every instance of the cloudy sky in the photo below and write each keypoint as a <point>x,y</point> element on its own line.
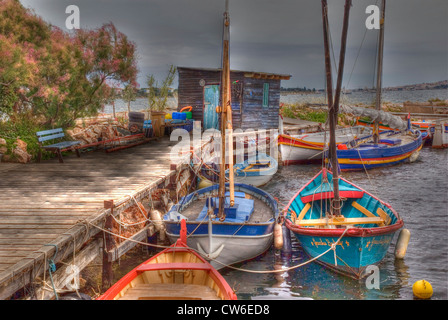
<point>281,36</point>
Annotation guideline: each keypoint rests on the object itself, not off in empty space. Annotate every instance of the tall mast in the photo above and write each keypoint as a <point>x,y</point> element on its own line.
<point>334,106</point>
<point>379,72</point>
<point>226,118</point>
<point>329,82</point>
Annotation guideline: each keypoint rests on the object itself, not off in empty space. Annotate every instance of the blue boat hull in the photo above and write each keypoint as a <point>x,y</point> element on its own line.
<point>225,242</point>
<point>376,156</point>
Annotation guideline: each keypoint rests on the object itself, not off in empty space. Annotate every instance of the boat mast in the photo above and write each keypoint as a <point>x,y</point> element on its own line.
<point>379,71</point>
<point>334,105</point>
<point>226,118</point>
<point>329,82</point>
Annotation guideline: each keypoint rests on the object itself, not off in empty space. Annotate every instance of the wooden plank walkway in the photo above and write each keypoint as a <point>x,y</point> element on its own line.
<point>40,202</point>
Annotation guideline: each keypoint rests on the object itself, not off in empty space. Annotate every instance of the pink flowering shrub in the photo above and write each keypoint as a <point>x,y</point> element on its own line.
<point>54,76</point>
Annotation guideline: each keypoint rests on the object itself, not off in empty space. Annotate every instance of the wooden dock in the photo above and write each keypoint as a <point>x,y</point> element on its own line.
<point>50,210</point>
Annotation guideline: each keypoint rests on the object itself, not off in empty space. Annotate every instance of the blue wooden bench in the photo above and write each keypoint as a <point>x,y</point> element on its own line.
<point>56,147</point>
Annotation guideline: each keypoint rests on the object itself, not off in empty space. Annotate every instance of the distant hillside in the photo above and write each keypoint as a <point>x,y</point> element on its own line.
<point>420,86</point>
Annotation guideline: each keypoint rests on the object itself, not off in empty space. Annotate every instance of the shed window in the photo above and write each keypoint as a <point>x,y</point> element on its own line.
<point>266,95</point>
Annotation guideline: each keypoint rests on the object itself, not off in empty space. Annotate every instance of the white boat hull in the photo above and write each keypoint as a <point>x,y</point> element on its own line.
<point>308,148</point>
<point>255,181</point>
<point>223,251</point>
<point>291,154</point>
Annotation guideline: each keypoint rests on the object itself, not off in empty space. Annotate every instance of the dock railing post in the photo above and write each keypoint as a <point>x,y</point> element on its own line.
<point>107,274</point>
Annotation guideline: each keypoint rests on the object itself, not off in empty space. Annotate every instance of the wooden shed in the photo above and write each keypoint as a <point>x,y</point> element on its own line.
<point>255,97</point>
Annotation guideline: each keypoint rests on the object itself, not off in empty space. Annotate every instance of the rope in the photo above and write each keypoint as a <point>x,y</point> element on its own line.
<point>366,171</point>
<point>332,247</point>
<point>51,268</point>
<point>226,265</point>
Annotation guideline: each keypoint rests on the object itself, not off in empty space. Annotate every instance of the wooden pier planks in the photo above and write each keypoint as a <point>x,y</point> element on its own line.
<point>41,202</point>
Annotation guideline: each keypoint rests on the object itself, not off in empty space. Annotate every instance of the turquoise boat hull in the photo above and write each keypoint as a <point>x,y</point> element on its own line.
<point>354,248</point>
<point>353,255</point>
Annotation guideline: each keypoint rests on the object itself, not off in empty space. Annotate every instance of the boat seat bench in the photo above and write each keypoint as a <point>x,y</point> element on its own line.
<point>381,213</point>
<point>169,291</point>
<point>173,266</point>
<point>382,219</point>
<point>339,221</point>
<point>57,148</point>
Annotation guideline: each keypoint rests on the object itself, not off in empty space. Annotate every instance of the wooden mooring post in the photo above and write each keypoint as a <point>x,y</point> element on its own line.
<point>108,244</point>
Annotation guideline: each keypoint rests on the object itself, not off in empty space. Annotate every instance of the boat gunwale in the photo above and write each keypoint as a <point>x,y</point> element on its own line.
<point>351,232</point>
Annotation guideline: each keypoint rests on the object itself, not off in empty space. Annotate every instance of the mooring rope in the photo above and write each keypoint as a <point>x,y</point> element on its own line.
<point>332,247</point>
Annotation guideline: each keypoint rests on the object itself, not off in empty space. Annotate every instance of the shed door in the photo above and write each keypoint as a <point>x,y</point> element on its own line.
<point>211,101</point>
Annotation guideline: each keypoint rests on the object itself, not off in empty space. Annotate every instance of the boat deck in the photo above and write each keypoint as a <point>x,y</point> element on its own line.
<point>170,291</point>
<point>262,212</point>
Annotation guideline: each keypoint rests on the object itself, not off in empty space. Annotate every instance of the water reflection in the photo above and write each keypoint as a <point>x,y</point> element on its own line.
<point>417,191</point>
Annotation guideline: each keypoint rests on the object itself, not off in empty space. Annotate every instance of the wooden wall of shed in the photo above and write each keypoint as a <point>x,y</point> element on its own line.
<point>255,116</point>
<point>247,97</point>
<point>190,93</point>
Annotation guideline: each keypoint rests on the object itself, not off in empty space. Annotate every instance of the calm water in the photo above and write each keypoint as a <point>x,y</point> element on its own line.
<point>354,98</point>
<point>369,97</point>
<point>417,191</point>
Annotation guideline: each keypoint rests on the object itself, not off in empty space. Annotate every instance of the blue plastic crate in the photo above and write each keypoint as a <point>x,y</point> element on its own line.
<point>179,115</point>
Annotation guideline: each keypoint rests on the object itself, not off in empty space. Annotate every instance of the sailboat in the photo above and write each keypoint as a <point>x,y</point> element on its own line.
<point>384,148</point>
<point>310,147</point>
<point>256,171</point>
<point>227,223</point>
<point>337,223</point>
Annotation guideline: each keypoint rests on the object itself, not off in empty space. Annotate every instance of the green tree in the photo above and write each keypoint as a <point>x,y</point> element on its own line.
<point>129,95</point>
<point>158,96</point>
<point>56,77</point>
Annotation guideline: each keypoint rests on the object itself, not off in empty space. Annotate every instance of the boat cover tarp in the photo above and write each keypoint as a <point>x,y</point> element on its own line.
<point>244,208</point>
<point>395,122</point>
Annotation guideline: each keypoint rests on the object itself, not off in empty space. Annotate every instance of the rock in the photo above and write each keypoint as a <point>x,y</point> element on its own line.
<point>77,130</point>
<point>21,144</point>
<point>3,146</point>
<point>96,129</point>
<point>21,155</point>
<point>71,133</point>
<point>20,152</point>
